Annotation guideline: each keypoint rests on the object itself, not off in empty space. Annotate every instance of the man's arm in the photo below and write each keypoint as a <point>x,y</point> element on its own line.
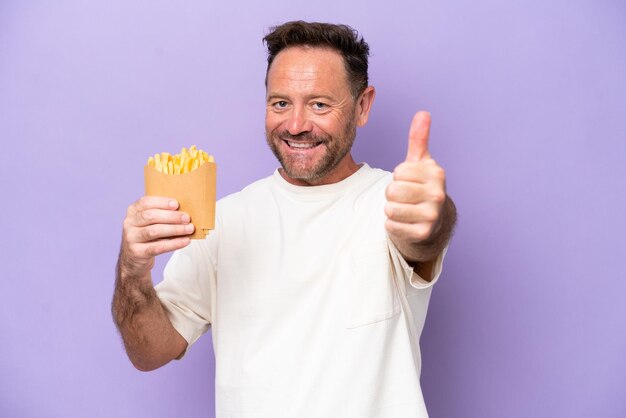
<point>152,226</point>
<point>420,215</point>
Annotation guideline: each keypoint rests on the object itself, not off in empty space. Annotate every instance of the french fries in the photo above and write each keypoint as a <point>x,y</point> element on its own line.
<point>184,162</point>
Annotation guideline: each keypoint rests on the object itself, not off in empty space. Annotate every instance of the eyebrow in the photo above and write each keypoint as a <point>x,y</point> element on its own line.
<point>275,96</point>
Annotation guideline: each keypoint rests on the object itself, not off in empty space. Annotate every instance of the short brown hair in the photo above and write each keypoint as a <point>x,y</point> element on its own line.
<point>341,38</point>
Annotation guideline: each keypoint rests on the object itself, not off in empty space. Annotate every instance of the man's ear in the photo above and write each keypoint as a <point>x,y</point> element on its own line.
<point>364,104</point>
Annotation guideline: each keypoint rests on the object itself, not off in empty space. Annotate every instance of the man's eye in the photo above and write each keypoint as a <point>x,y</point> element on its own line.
<point>319,106</point>
<point>281,104</point>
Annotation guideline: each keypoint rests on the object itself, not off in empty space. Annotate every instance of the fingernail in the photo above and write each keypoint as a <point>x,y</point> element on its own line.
<point>189,227</point>
<point>185,218</point>
<point>173,204</point>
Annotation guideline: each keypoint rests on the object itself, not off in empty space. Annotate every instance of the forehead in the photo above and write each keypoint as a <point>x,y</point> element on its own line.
<point>305,66</point>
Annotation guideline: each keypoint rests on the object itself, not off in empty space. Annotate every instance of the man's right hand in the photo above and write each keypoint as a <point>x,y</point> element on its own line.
<point>152,226</point>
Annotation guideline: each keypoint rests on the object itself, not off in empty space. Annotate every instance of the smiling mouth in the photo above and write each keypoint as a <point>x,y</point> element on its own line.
<point>301,145</point>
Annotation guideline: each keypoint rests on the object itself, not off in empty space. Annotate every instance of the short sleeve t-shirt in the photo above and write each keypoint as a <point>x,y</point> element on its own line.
<point>313,311</point>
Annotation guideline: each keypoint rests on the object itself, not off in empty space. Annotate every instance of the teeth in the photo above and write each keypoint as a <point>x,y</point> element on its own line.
<point>301,145</point>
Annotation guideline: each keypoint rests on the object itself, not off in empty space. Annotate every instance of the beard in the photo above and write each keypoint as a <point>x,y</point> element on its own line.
<point>304,168</point>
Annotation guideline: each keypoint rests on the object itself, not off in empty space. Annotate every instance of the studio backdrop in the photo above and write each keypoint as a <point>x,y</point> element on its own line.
<point>528,103</point>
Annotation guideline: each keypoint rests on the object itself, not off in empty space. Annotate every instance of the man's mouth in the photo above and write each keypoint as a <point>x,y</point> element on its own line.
<point>301,145</point>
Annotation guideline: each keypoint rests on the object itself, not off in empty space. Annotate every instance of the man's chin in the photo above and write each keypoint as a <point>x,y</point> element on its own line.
<point>305,170</point>
<point>302,168</point>
<point>301,174</point>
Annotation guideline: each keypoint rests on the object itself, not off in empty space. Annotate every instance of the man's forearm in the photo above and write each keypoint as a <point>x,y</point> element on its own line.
<point>149,337</point>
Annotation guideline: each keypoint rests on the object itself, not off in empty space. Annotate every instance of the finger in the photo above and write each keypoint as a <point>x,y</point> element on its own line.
<point>154,248</point>
<point>406,192</point>
<point>418,137</point>
<point>421,172</point>
<point>411,213</point>
<point>409,232</point>
<point>155,202</point>
<point>159,231</point>
<point>160,216</point>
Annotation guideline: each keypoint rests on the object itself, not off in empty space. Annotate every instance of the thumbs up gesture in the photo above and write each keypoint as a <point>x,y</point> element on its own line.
<point>416,197</point>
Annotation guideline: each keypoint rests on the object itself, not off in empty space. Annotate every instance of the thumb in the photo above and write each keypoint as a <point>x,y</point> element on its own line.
<point>418,137</point>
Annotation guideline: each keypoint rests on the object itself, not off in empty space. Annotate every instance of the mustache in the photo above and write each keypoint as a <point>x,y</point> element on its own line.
<point>303,136</point>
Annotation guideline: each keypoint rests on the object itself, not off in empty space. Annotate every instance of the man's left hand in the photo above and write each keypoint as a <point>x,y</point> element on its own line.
<point>416,197</point>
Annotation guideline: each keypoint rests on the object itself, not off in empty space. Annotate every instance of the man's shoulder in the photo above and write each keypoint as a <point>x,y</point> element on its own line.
<point>379,174</point>
<point>375,180</point>
<point>250,192</point>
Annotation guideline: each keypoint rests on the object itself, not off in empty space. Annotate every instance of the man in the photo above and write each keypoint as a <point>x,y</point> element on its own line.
<point>316,279</point>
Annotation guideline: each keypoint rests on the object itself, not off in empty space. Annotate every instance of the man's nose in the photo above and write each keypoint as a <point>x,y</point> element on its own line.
<point>298,122</point>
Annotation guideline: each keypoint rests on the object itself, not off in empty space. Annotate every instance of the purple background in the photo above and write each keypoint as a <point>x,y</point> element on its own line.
<point>528,103</point>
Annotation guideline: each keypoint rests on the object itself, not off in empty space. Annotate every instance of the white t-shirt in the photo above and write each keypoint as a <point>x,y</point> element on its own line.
<point>313,311</point>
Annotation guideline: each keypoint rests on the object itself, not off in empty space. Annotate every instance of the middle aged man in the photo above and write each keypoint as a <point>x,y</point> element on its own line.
<point>316,280</point>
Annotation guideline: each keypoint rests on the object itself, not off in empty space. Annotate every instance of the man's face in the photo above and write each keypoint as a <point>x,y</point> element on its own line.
<point>310,121</point>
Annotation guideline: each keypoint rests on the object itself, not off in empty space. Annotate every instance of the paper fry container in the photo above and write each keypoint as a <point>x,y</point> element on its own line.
<point>194,191</point>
